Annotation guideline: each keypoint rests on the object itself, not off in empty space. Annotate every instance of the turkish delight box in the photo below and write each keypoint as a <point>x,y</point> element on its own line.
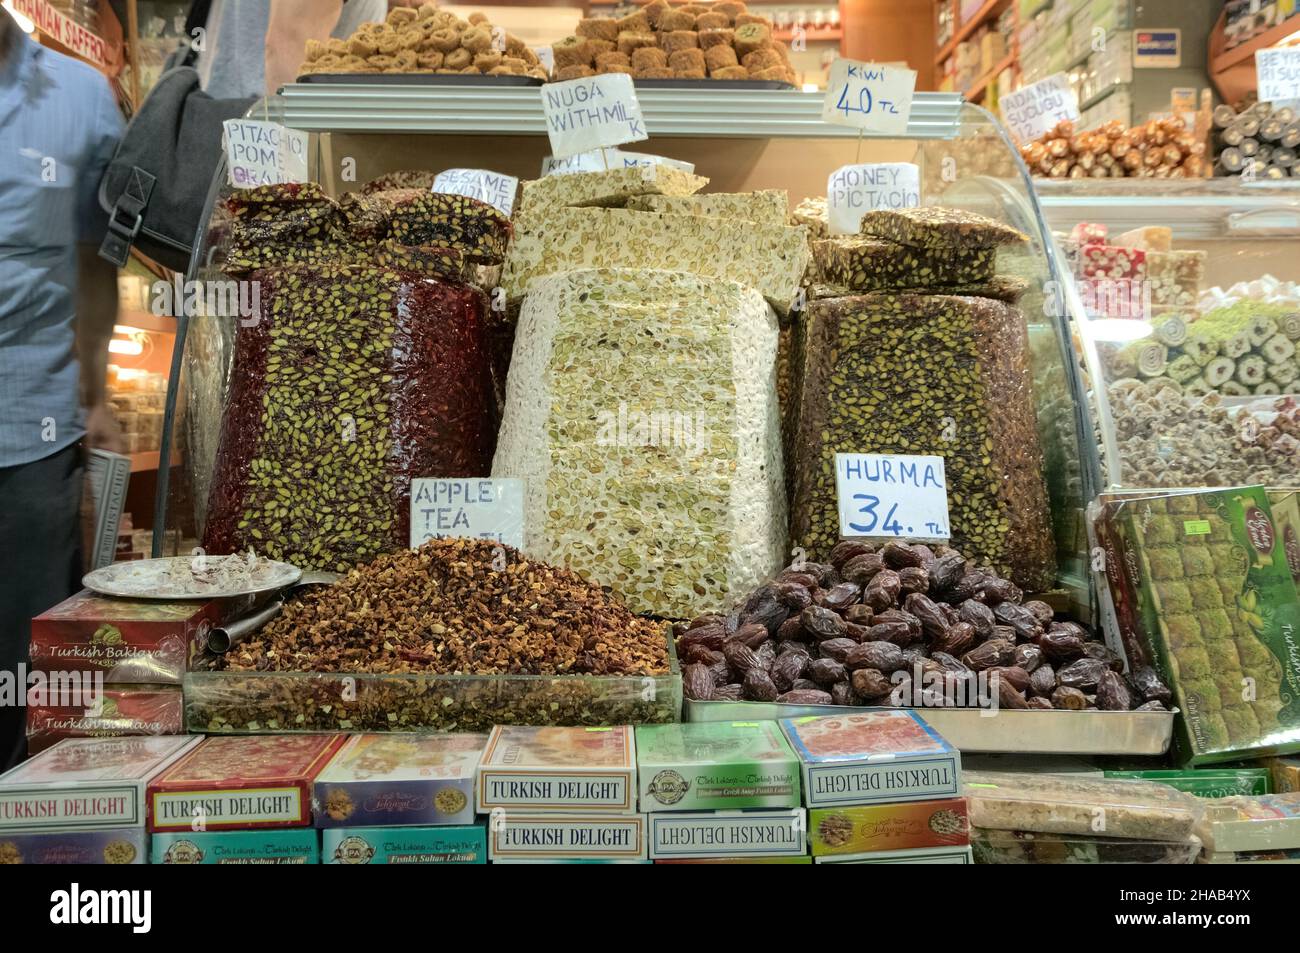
<point>875,756</point>
<point>385,780</point>
<point>1268,822</point>
<point>241,781</point>
<point>1207,782</point>
<point>458,844</point>
<point>531,769</point>
<point>925,855</point>
<point>871,827</point>
<point>701,766</point>
<point>87,784</point>
<point>122,846</point>
<point>729,833</point>
<point>128,640</point>
<point>293,845</point>
<point>1285,773</point>
<point>1218,606</point>
<point>515,835</point>
<point>119,711</point>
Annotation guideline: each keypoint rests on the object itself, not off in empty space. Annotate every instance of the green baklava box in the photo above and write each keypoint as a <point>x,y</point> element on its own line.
<point>1206,782</point>
<point>1219,608</point>
<point>704,766</point>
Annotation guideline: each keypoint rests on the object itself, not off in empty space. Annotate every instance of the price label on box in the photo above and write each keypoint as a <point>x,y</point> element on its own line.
<point>467,509</point>
<point>854,190</point>
<point>264,153</point>
<point>1277,72</point>
<point>493,188</point>
<point>869,96</point>
<point>592,112</point>
<point>897,496</point>
<point>1036,109</point>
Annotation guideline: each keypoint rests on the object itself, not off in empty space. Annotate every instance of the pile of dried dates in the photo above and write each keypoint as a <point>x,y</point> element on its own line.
<point>904,624</point>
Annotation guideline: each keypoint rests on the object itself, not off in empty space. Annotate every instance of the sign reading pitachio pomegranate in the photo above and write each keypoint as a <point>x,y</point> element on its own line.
<point>58,26</point>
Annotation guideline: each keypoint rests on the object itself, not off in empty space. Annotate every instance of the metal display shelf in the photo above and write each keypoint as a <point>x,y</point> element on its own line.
<point>362,107</point>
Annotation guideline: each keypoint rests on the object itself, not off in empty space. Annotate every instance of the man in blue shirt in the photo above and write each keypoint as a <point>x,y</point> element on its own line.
<point>59,125</point>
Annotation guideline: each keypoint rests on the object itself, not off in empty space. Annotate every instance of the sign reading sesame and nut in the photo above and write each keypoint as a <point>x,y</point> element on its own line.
<point>1034,110</point>
<point>592,112</point>
<point>854,190</point>
<point>892,495</point>
<point>493,188</point>
<point>264,153</point>
<point>467,509</point>
<point>869,96</point>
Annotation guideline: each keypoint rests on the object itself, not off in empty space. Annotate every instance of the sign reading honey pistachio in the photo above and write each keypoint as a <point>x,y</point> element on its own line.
<point>892,495</point>
<point>493,188</point>
<point>854,190</point>
<point>592,112</point>
<point>1277,72</point>
<point>870,96</point>
<point>467,509</point>
<point>264,153</point>
<point>1034,110</point>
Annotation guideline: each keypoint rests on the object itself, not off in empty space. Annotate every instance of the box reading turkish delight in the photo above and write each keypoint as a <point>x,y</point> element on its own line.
<point>122,846</point>
<point>461,844</point>
<point>555,836</point>
<point>91,784</point>
<point>126,640</point>
<point>558,769</point>
<point>231,782</point>
<point>703,766</point>
<point>297,845</point>
<point>871,827</point>
<point>868,757</point>
<point>384,780</point>
<point>729,833</point>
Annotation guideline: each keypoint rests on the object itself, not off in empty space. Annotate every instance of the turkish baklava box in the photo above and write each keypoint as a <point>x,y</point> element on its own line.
<point>557,835</point>
<point>923,855</point>
<point>240,782</point>
<point>874,756</point>
<point>86,784</point>
<point>118,711</point>
<point>125,845</point>
<point>457,844</point>
<point>1218,606</point>
<point>382,780</point>
<point>703,766</point>
<point>729,833</point>
<point>531,769</point>
<point>291,845</point>
<point>127,640</point>
<point>863,828</point>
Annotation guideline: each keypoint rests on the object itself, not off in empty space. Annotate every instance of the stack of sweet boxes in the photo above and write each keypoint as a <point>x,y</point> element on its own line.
<point>555,795</point>
<point>239,800</point>
<point>82,801</point>
<point>721,793</point>
<point>401,799</point>
<point>881,787</point>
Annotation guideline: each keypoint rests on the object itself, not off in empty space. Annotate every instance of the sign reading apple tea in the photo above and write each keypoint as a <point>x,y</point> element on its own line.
<point>467,509</point>
<point>493,188</point>
<point>854,190</point>
<point>897,496</point>
<point>592,112</point>
<point>264,153</point>
<point>869,96</point>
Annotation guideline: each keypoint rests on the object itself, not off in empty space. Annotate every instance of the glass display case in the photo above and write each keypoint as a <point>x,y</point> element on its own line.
<point>1187,303</point>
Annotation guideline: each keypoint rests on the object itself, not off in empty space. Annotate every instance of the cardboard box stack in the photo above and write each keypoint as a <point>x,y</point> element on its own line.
<point>401,799</point>
<point>257,783</point>
<point>561,794</point>
<point>83,800</point>
<point>880,787</point>
<point>721,792</point>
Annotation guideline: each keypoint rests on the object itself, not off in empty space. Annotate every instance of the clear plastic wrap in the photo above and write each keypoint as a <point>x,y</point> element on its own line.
<point>641,412</point>
<point>925,374</point>
<point>353,380</point>
<point>1030,847</point>
<point>1240,823</point>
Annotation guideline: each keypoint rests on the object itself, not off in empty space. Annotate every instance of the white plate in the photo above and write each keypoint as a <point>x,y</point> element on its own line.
<point>190,577</point>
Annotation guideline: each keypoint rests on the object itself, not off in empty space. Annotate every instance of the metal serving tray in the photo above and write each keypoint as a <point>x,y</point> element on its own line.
<point>1004,731</point>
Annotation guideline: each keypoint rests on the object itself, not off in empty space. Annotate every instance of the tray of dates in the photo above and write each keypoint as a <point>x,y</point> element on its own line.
<point>905,625</point>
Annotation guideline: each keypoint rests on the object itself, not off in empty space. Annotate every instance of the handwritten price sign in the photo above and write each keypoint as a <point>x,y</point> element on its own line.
<point>897,496</point>
<point>1036,109</point>
<point>587,114</point>
<point>869,96</point>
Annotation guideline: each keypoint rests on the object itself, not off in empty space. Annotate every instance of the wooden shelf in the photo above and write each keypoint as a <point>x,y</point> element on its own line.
<point>982,84</point>
<point>1245,51</point>
<point>986,13</point>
